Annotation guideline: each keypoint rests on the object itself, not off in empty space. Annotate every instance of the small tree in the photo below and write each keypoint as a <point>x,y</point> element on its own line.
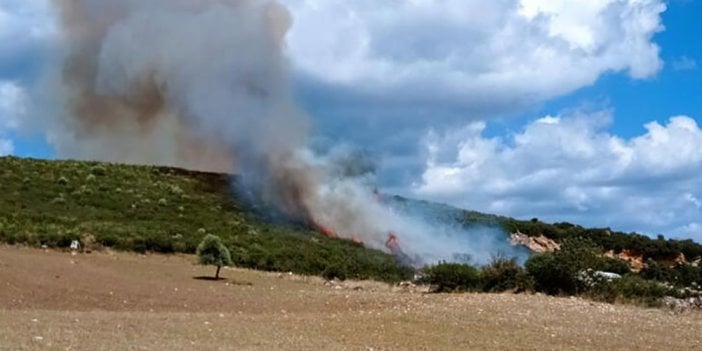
<point>211,251</point>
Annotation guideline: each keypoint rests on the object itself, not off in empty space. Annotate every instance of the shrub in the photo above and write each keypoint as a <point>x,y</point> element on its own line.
<point>334,271</point>
<point>451,277</point>
<point>504,274</point>
<point>98,170</point>
<point>613,265</point>
<point>658,271</point>
<point>630,288</point>
<point>211,251</point>
<point>556,272</point>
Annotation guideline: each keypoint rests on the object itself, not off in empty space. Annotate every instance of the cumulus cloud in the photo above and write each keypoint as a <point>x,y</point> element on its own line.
<point>486,56</point>
<point>568,167</point>
<point>25,31</point>
<point>12,106</point>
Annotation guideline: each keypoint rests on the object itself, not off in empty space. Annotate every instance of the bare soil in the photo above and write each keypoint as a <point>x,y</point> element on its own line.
<point>117,301</point>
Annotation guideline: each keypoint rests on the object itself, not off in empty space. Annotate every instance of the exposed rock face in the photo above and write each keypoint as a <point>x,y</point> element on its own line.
<point>635,260</point>
<point>538,244</point>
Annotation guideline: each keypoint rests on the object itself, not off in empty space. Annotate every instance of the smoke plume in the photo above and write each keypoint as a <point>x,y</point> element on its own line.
<point>203,84</point>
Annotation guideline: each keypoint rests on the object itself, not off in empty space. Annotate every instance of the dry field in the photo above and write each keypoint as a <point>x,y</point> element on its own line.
<point>115,301</point>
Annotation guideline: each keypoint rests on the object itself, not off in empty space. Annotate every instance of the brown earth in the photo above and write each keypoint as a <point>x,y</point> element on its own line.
<point>115,301</point>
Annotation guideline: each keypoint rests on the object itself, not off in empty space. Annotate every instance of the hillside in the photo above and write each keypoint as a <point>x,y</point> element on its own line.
<point>166,210</point>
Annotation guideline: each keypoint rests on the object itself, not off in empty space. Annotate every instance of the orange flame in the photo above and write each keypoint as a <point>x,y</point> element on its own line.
<point>393,244</point>
<point>326,230</point>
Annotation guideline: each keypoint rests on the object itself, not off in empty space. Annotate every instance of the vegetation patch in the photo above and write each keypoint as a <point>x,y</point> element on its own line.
<point>166,210</point>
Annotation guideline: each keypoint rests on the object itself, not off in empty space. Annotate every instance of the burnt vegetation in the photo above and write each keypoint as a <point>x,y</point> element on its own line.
<point>168,210</point>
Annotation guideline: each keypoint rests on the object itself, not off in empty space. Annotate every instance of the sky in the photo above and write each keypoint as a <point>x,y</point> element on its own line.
<point>584,111</point>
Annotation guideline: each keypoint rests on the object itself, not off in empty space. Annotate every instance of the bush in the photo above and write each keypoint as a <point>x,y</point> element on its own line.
<point>504,274</point>
<point>334,271</point>
<point>657,271</point>
<point>632,289</point>
<point>556,272</point>
<point>451,277</point>
<point>98,170</point>
<point>613,265</point>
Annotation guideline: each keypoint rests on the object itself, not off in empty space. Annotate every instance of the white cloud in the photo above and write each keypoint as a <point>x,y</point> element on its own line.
<point>25,25</point>
<point>12,106</point>
<point>570,168</point>
<point>493,54</point>
<point>684,63</point>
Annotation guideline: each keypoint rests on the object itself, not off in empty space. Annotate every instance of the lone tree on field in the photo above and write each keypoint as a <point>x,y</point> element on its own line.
<point>211,251</point>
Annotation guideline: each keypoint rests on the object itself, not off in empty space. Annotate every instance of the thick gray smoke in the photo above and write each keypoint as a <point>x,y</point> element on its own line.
<point>174,81</point>
<point>203,84</point>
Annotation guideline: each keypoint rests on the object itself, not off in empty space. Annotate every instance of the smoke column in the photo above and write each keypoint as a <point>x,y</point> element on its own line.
<point>203,84</point>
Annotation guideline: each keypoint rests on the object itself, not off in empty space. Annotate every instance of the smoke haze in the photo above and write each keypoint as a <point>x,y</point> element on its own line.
<point>203,84</point>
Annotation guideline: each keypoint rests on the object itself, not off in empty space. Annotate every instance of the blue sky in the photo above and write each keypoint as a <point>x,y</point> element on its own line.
<point>527,108</point>
<point>673,91</point>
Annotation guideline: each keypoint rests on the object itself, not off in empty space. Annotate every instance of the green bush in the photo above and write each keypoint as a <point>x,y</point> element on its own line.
<point>451,277</point>
<point>556,272</point>
<point>505,275</point>
<point>613,265</point>
<point>630,289</point>
<point>334,271</point>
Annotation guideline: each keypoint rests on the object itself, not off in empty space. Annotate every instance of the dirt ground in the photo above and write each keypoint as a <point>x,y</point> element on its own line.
<point>116,301</point>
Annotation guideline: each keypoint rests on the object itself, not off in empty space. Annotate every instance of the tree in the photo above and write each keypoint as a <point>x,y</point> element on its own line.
<point>211,251</point>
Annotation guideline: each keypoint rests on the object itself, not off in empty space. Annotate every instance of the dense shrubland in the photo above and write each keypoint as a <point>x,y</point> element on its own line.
<point>166,210</point>
<point>577,269</point>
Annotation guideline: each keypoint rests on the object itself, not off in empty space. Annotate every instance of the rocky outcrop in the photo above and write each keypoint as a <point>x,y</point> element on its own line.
<point>538,244</point>
<point>635,260</point>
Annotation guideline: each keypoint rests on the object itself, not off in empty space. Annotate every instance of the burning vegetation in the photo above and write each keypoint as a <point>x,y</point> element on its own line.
<point>206,87</point>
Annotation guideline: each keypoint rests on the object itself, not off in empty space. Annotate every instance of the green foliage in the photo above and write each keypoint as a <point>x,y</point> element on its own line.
<point>613,265</point>
<point>658,249</point>
<point>630,289</point>
<point>556,272</point>
<point>161,209</point>
<point>212,252</point>
<point>452,277</point>
<point>504,274</point>
<point>680,275</point>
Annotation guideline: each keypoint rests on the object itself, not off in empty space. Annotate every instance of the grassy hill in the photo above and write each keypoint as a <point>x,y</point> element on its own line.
<point>161,209</point>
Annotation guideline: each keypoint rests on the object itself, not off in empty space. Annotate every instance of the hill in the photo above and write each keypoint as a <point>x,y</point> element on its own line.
<point>659,249</point>
<point>167,210</point>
